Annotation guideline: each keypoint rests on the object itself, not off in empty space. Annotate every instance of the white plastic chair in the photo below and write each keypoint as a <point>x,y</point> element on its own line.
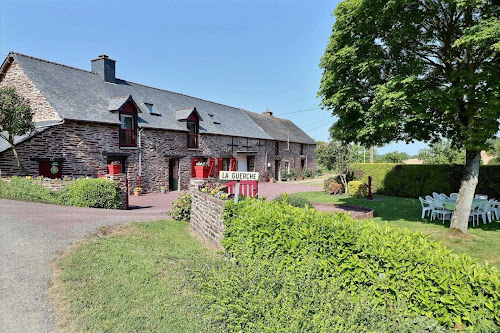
<point>495,209</point>
<point>453,196</point>
<point>441,212</point>
<point>443,196</point>
<point>436,196</point>
<point>481,196</point>
<point>480,211</point>
<point>426,207</point>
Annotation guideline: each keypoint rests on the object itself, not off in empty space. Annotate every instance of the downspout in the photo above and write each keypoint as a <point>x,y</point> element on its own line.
<point>140,156</point>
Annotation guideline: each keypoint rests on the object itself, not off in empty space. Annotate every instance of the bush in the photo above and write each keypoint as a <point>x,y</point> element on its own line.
<point>357,189</point>
<point>308,173</point>
<point>335,188</point>
<point>326,184</point>
<point>258,296</point>
<point>294,201</point>
<point>413,180</point>
<point>319,172</point>
<point>284,176</point>
<point>389,263</point>
<point>22,188</point>
<point>181,208</point>
<point>92,192</point>
<point>292,175</point>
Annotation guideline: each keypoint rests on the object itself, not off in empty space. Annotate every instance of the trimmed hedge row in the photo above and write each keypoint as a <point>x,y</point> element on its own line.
<point>389,263</point>
<point>413,180</point>
<point>93,192</point>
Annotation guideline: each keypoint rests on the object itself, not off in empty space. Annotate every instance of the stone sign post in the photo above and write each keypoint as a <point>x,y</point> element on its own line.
<point>238,176</point>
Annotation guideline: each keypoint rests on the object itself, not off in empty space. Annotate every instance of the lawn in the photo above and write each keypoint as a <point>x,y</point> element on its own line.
<point>133,280</point>
<point>406,212</point>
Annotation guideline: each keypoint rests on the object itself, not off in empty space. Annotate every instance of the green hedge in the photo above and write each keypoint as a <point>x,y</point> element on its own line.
<point>93,192</point>
<point>413,180</point>
<point>97,193</point>
<point>389,263</point>
<point>21,188</point>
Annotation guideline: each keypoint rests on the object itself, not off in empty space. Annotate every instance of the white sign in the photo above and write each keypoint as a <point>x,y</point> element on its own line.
<point>238,175</point>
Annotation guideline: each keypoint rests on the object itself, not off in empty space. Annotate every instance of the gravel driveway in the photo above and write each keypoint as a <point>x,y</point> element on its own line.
<point>32,235</point>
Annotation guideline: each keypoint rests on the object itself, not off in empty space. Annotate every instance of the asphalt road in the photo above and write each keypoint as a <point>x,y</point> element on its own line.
<point>31,236</point>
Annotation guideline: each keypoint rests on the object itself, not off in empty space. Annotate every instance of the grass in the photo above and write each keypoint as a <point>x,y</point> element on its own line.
<point>133,280</point>
<point>484,243</point>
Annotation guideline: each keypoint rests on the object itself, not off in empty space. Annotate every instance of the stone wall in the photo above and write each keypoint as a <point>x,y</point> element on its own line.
<point>15,77</point>
<point>54,184</point>
<point>206,216</point>
<point>121,181</point>
<point>81,146</point>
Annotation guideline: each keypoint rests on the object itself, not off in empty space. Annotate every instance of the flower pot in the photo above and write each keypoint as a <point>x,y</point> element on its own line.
<point>201,171</point>
<point>137,193</point>
<point>163,191</point>
<point>114,169</point>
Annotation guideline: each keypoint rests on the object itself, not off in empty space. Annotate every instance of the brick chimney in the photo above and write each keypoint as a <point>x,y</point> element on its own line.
<point>105,67</point>
<point>267,113</point>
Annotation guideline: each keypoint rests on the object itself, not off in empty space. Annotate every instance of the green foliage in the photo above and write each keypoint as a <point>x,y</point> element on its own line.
<point>96,193</point>
<point>441,152</point>
<point>292,175</point>
<point>181,208</point>
<point>357,189</point>
<point>256,296</point>
<point>394,157</point>
<point>21,188</point>
<point>92,192</point>
<point>410,73</point>
<point>336,156</point>
<point>412,180</point>
<point>332,186</point>
<point>293,201</point>
<point>308,173</point>
<point>15,114</point>
<point>319,172</point>
<point>389,263</point>
<point>284,176</point>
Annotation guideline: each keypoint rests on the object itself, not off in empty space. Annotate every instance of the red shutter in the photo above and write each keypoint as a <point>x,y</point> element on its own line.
<point>211,167</point>
<point>193,164</point>
<point>219,165</point>
<point>233,164</point>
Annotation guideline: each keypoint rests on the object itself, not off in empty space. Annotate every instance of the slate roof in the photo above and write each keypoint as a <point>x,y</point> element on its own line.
<point>78,94</point>
<point>40,126</point>
<point>279,128</point>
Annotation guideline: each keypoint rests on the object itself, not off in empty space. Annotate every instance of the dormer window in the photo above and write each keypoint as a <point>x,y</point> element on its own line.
<point>152,109</point>
<point>128,126</point>
<point>193,128</point>
<point>192,119</point>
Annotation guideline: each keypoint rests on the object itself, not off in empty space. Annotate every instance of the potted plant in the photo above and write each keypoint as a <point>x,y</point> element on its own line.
<point>163,189</point>
<point>137,191</point>
<point>114,168</point>
<point>201,170</point>
<point>284,176</point>
<point>272,180</point>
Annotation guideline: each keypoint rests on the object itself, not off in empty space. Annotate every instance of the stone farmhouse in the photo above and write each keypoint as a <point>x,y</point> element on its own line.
<point>86,120</point>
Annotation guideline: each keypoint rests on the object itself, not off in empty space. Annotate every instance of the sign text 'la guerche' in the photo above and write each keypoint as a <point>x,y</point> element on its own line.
<point>238,175</point>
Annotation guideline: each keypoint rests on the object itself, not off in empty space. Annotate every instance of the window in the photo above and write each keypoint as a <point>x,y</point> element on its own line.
<point>127,130</point>
<point>287,167</point>
<point>214,119</point>
<point>192,135</point>
<point>151,109</point>
<point>226,164</point>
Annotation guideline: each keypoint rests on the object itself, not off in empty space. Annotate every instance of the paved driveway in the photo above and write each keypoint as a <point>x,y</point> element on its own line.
<point>32,235</point>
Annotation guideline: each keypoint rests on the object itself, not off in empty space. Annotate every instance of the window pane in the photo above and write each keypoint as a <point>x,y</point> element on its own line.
<point>127,122</point>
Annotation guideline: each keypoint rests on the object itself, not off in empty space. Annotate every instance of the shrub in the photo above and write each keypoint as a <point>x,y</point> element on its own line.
<point>291,175</point>
<point>357,189</point>
<point>407,180</point>
<point>335,188</point>
<point>386,262</point>
<point>92,192</point>
<point>319,172</point>
<point>284,176</point>
<point>181,208</point>
<point>257,296</point>
<point>308,173</point>
<point>293,201</point>
<point>326,184</point>
<point>22,188</point>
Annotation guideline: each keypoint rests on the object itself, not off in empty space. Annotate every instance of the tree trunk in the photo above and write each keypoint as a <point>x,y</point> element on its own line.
<point>343,178</point>
<point>14,151</point>
<point>372,154</point>
<point>460,219</point>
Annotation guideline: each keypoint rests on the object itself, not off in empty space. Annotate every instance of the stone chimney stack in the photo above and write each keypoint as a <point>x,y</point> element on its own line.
<point>105,67</point>
<point>267,113</point>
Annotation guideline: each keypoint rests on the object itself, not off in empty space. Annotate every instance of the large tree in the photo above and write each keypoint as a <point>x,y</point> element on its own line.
<point>416,70</point>
<point>337,157</point>
<point>15,119</point>
<point>442,152</point>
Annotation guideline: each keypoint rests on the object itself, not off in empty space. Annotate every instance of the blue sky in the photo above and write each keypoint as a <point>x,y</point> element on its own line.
<point>256,55</point>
